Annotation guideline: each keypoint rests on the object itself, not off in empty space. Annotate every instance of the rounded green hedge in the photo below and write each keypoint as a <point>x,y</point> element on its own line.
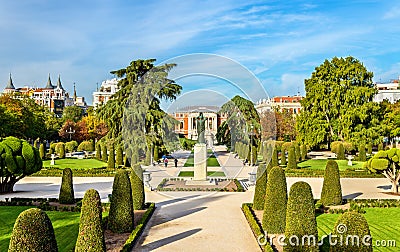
<point>300,218</point>
<point>137,184</point>
<point>120,219</point>
<point>331,194</point>
<point>60,149</point>
<point>91,234</point>
<point>261,183</point>
<point>351,224</point>
<point>33,231</point>
<point>66,195</point>
<point>292,164</point>
<point>274,217</point>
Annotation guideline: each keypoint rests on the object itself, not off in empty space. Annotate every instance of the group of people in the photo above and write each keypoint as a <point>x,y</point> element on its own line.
<point>165,161</point>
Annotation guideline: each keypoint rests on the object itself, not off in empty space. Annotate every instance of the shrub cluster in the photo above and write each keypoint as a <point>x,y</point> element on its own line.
<point>71,146</point>
<point>300,217</point>
<point>91,235</point>
<point>120,219</point>
<point>33,231</point>
<point>274,217</point>
<point>331,194</point>
<point>261,183</point>
<point>66,195</point>
<point>86,146</point>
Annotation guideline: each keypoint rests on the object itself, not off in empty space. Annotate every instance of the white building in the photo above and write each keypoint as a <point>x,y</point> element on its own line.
<point>290,103</point>
<point>388,91</point>
<point>107,89</point>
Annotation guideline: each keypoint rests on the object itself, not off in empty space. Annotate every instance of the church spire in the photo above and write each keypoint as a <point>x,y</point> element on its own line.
<point>59,83</point>
<point>49,85</point>
<point>10,84</point>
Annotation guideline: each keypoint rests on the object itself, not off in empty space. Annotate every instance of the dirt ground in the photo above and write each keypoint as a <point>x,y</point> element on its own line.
<point>115,242</point>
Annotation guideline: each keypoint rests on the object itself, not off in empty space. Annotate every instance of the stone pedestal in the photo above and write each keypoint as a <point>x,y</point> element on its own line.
<point>200,162</point>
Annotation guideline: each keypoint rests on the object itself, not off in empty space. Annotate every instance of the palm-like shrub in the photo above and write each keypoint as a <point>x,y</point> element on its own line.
<point>120,219</point>
<point>274,217</point>
<point>66,195</point>
<point>261,183</point>
<point>351,224</point>
<point>137,184</point>
<point>331,194</point>
<point>33,231</point>
<point>91,235</point>
<point>300,218</point>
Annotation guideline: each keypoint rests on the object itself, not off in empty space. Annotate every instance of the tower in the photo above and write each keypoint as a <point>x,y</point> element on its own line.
<point>59,83</point>
<point>74,93</point>
<point>49,85</point>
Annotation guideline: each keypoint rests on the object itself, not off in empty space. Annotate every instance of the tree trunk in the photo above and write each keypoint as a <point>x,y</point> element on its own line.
<point>7,184</point>
<point>395,186</point>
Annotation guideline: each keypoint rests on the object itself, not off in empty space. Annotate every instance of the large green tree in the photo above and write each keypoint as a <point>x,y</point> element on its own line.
<point>243,122</point>
<point>72,113</point>
<point>134,110</point>
<point>338,104</point>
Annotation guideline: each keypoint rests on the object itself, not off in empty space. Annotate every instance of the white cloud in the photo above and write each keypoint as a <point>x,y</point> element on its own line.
<point>394,12</point>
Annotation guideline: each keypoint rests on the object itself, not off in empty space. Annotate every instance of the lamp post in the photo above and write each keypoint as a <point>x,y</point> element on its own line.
<point>251,143</point>
<point>70,132</point>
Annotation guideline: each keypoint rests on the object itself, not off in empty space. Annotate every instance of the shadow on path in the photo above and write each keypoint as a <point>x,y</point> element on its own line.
<point>352,195</point>
<point>168,240</point>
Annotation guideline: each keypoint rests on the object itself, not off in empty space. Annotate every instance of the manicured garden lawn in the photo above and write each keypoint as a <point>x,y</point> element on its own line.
<point>209,174</point>
<point>65,224</point>
<point>75,163</point>
<point>211,160</point>
<point>320,164</point>
<point>384,224</point>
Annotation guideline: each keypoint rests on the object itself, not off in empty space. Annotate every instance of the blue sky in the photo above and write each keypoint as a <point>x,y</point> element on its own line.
<point>281,42</point>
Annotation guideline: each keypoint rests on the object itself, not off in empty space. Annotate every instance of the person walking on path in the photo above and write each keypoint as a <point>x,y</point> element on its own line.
<point>166,162</point>
<point>176,162</point>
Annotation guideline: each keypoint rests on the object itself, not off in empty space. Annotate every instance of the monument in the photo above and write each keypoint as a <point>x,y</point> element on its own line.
<point>200,151</point>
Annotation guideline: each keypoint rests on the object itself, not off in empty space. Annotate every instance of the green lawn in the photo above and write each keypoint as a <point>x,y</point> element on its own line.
<point>209,174</point>
<point>320,164</point>
<point>384,224</point>
<point>65,224</point>
<point>211,160</point>
<point>75,163</point>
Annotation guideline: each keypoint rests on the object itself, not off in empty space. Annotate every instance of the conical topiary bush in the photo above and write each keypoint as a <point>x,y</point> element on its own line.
<point>90,235</point>
<point>292,164</point>
<point>331,194</point>
<point>33,231</point>
<point>137,184</point>
<point>120,219</point>
<point>300,219</point>
<point>274,217</point>
<point>66,195</point>
<point>259,192</point>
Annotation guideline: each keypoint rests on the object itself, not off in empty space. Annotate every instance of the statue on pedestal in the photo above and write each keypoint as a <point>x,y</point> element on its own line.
<point>201,126</point>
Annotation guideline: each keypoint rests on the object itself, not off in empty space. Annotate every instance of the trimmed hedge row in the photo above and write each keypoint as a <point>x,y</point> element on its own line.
<point>255,226</point>
<point>134,236</point>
